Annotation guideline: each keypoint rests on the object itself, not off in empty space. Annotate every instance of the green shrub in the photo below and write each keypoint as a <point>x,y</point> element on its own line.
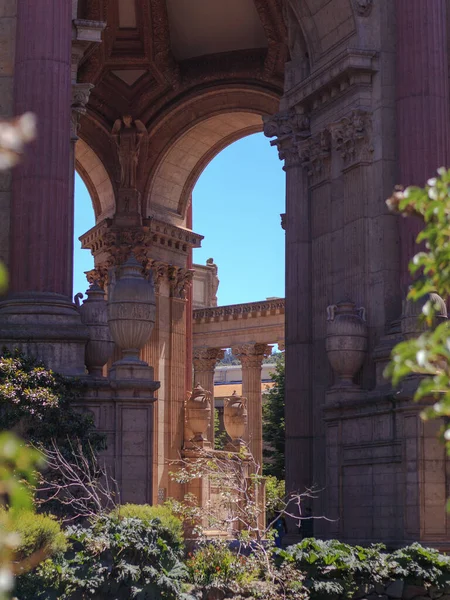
<point>215,563</point>
<point>39,405</point>
<point>334,568</point>
<point>37,533</point>
<point>116,558</point>
<point>418,564</point>
<point>147,514</point>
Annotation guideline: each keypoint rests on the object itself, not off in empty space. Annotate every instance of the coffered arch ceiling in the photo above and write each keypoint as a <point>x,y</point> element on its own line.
<point>174,64</point>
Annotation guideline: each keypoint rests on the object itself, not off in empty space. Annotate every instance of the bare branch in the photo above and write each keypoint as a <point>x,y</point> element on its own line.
<point>80,483</point>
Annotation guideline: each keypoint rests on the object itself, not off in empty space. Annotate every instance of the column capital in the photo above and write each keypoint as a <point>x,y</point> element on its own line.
<point>80,98</point>
<point>251,354</point>
<point>289,128</point>
<point>205,358</point>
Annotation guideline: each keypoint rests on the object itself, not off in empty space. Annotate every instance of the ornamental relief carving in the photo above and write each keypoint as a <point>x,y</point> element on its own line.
<point>315,155</point>
<point>179,279</point>
<point>352,137</point>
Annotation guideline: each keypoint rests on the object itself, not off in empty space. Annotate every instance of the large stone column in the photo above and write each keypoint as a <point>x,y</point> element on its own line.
<point>39,316</point>
<point>422,103</point>
<point>40,211</point>
<point>251,357</point>
<point>290,128</point>
<point>205,360</point>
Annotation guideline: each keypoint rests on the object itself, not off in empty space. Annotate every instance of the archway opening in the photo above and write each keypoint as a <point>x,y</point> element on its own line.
<point>237,202</point>
<point>84,219</point>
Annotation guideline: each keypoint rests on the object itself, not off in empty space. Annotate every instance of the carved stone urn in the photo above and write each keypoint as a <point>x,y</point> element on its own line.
<point>198,413</point>
<point>235,417</point>
<point>411,323</point>
<point>346,341</point>
<point>93,314</point>
<point>131,310</point>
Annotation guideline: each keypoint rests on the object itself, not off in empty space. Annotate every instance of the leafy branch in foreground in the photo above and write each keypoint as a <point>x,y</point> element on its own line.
<point>429,354</point>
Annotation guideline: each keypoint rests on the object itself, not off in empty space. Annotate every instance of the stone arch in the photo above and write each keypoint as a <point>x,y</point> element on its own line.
<point>325,25</point>
<point>95,177</point>
<point>218,121</point>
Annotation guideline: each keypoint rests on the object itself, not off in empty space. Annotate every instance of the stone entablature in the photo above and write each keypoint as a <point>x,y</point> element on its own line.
<point>350,69</point>
<point>153,233</point>
<point>234,325</point>
<point>238,311</point>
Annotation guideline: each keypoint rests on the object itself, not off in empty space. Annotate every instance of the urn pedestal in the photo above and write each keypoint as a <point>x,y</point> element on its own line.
<point>346,341</point>
<point>198,415</point>
<point>93,314</point>
<point>131,317</point>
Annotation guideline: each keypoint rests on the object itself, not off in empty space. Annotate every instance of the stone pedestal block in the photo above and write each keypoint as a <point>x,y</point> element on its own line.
<point>46,326</point>
<point>123,409</point>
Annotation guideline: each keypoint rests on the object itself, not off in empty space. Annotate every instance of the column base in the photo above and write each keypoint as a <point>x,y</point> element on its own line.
<point>46,326</point>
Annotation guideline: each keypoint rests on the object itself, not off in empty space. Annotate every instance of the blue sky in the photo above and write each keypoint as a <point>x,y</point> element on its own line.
<point>236,205</point>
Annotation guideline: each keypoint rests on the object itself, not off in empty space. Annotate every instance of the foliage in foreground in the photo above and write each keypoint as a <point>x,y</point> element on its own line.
<point>38,404</point>
<point>18,466</point>
<point>113,558</point>
<point>429,354</point>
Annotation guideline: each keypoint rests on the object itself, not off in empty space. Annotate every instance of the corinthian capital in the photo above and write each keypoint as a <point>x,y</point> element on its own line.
<point>289,128</point>
<point>205,358</point>
<point>251,355</point>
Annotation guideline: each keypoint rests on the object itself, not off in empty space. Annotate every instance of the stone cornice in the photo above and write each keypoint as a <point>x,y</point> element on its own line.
<point>351,68</point>
<point>240,311</point>
<point>104,237</point>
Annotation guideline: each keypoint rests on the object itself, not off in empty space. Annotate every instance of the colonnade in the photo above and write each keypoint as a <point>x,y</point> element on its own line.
<point>251,355</point>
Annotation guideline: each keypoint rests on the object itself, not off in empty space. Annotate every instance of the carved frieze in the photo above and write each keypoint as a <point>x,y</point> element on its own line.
<point>352,138</point>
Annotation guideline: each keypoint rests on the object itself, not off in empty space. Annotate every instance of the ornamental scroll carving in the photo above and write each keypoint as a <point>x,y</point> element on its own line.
<point>352,137</point>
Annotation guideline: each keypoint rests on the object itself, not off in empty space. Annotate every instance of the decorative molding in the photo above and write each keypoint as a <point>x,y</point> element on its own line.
<point>352,138</point>
<point>350,69</point>
<point>239,311</point>
<point>363,8</point>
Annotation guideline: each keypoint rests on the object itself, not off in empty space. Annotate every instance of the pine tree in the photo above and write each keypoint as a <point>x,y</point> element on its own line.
<point>274,424</point>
